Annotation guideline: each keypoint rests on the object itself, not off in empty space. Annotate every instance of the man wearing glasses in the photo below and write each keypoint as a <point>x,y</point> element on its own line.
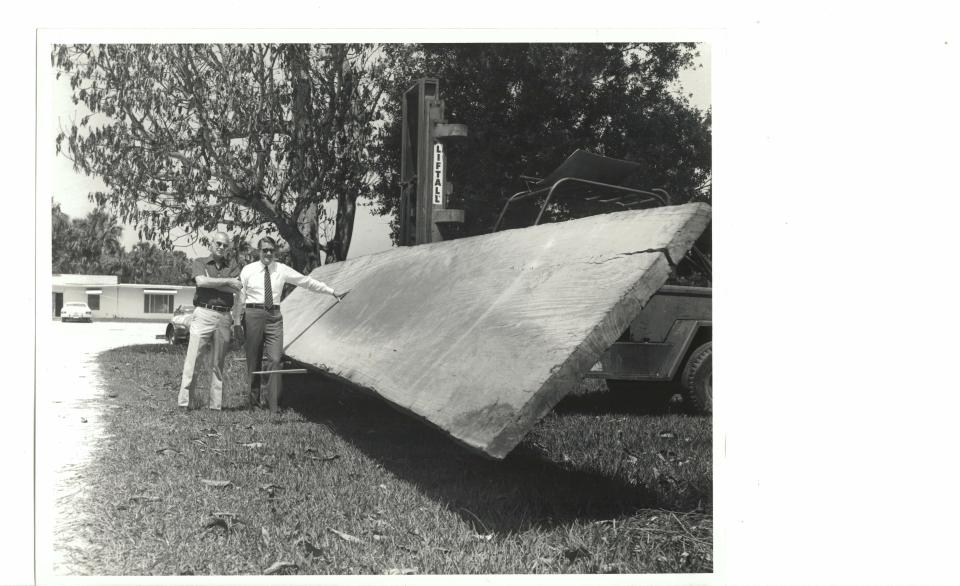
<point>217,282</point>
<point>263,282</point>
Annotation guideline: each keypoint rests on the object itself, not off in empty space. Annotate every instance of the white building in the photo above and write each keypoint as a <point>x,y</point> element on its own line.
<point>109,299</point>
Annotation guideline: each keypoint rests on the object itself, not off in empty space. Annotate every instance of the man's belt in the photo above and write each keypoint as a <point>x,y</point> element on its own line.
<point>262,306</point>
<point>219,308</point>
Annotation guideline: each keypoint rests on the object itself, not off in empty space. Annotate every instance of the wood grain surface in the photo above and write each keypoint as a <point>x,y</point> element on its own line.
<point>482,336</point>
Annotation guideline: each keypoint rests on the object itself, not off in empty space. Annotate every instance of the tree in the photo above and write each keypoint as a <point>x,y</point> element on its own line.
<point>143,264</point>
<point>529,106</point>
<point>253,137</point>
<point>89,245</point>
<point>62,236</point>
<point>175,268</point>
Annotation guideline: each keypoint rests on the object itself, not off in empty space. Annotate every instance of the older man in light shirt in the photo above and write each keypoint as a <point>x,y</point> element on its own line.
<point>262,283</point>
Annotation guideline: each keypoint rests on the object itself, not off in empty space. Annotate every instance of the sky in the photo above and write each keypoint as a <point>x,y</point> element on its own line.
<point>371,233</point>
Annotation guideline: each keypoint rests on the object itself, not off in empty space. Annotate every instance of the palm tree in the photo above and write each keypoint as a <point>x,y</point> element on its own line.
<point>62,237</point>
<point>95,243</point>
<point>144,261</point>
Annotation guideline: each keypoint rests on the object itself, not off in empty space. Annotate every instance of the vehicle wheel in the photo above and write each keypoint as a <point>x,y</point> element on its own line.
<point>649,395</point>
<point>697,379</point>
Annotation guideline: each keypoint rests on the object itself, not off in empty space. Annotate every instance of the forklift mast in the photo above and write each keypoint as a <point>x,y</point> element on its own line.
<point>424,190</point>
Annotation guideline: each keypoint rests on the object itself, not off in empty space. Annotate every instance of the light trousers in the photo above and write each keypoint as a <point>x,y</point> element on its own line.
<point>209,331</point>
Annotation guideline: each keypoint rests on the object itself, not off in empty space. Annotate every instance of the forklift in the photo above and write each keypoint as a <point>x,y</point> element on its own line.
<point>668,347</point>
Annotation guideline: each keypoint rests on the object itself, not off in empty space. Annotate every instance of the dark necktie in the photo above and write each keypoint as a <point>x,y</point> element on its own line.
<point>267,290</point>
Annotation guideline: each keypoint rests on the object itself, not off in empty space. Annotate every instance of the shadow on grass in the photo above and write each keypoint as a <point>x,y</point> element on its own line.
<point>610,402</point>
<point>525,490</point>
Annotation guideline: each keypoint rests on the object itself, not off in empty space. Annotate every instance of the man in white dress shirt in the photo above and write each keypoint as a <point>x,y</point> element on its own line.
<point>262,283</point>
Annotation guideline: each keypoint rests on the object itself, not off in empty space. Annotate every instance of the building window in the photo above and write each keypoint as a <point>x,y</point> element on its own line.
<point>93,300</point>
<point>158,302</point>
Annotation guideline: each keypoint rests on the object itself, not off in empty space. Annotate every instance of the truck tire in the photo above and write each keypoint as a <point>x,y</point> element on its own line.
<point>697,379</point>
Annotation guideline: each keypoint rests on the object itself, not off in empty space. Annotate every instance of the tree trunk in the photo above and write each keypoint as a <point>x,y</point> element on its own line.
<point>346,212</point>
<point>303,247</point>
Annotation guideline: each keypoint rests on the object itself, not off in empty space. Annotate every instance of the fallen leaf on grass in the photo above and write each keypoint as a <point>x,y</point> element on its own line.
<point>166,451</point>
<point>145,498</point>
<point>253,445</point>
<point>479,537</point>
<point>112,395</point>
<point>216,483</point>
<point>266,535</point>
<point>324,458</point>
<point>345,536</point>
<point>400,571</point>
<point>278,567</point>
<point>271,489</point>
<point>575,553</point>
<point>310,548</point>
<point>216,522</point>
<point>83,420</point>
<point>667,434</point>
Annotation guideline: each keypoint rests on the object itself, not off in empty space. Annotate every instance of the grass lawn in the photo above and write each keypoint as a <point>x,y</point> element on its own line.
<point>341,483</point>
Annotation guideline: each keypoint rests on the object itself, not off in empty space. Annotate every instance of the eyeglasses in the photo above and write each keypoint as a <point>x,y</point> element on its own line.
<point>268,250</point>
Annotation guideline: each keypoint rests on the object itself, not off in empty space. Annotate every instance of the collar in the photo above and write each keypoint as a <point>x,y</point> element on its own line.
<point>212,260</point>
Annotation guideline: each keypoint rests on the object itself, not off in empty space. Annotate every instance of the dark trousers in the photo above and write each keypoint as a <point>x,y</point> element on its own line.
<point>263,330</point>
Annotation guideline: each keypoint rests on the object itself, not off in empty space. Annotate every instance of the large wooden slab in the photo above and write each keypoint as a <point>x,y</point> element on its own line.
<point>482,336</point>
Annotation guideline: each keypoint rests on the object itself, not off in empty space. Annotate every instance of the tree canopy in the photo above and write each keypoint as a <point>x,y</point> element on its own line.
<point>254,137</point>
<point>91,246</point>
<point>529,106</point>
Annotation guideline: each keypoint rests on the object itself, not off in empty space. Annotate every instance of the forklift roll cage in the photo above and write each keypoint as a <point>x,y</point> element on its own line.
<point>593,170</point>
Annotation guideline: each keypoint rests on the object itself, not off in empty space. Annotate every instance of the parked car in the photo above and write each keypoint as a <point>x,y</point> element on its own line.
<point>76,311</point>
<point>178,330</point>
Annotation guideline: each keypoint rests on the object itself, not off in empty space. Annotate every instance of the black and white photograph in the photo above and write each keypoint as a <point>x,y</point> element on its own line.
<point>422,294</point>
<point>379,309</point>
